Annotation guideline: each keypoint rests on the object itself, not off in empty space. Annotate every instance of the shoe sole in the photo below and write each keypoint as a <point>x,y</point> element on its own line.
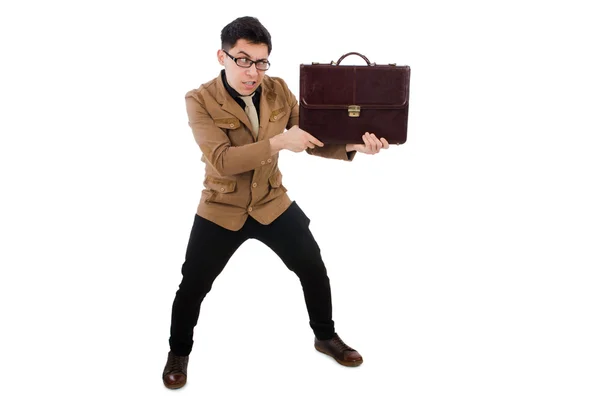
<point>342,362</point>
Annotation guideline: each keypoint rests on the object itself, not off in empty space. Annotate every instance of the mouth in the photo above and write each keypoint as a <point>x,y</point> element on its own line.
<point>249,84</point>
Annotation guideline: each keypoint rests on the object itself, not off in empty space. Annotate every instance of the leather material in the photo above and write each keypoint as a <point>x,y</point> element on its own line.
<point>175,372</point>
<point>340,351</point>
<point>328,90</point>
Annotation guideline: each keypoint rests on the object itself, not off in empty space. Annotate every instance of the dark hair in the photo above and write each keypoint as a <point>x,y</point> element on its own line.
<point>248,28</point>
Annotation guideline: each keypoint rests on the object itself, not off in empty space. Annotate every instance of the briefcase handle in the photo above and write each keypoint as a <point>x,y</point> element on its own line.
<point>354,53</point>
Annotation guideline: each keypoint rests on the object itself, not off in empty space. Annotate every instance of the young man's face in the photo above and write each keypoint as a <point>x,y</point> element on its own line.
<point>243,80</point>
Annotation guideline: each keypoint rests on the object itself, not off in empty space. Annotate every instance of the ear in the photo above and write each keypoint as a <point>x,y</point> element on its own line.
<point>221,57</point>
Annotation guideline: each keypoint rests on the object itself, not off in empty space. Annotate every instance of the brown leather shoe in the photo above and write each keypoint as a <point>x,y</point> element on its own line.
<point>175,372</point>
<point>341,352</point>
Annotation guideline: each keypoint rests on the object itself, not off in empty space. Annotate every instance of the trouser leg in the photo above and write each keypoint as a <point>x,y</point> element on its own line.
<point>290,238</point>
<point>209,249</point>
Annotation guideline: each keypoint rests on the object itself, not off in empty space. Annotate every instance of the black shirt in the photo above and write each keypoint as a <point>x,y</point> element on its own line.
<point>236,95</point>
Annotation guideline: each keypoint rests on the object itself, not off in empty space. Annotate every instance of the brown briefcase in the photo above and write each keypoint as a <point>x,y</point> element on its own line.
<point>338,104</point>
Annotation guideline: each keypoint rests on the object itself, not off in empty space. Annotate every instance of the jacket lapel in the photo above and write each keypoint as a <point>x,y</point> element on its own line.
<point>268,97</point>
<point>267,101</point>
<point>229,105</point>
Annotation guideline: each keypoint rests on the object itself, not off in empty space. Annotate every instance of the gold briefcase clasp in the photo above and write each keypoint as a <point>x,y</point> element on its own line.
<point>353,110</point>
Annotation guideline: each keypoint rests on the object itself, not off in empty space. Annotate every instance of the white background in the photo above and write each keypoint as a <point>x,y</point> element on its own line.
<point>463,263</point>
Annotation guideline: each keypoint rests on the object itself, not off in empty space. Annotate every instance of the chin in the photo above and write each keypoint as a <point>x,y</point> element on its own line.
<point>246,89</point>
<point>249,90</point>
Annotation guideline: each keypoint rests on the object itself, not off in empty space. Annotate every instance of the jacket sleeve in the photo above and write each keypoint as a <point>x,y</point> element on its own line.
<point>215,144</point>
<point>329,151</point>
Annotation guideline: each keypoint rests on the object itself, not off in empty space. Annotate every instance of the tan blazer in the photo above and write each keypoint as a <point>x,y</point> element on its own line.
<point>242,178</point>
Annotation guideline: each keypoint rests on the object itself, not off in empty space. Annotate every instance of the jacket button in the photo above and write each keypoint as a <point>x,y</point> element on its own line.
<point>249,209</point>
<point>269,160</point>
<point>254,184</point>
<point>263,162</point>
<point>222,189</point>
<point>231,125</point>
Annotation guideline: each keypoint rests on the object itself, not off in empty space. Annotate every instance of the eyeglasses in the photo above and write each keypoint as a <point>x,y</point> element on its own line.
<point>261,64</point>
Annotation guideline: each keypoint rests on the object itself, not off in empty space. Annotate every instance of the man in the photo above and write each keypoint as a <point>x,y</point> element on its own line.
<point>238,121</point>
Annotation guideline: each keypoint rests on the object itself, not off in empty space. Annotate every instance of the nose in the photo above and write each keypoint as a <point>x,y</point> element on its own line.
<point>252,71</point>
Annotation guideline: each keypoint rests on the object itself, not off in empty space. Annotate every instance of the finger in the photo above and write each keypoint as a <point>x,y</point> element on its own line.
<point>378,142</point>
<point>310,145</point>
<point>316,141</point>
<point>367,143</point>
<point>365,138</point>
<point>386,144</point>
<point>372,144</point>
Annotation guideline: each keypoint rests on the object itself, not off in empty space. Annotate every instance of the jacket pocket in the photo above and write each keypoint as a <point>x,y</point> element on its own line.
<point>220,185</point>
<point>230,123</point>
<point>278,114</point>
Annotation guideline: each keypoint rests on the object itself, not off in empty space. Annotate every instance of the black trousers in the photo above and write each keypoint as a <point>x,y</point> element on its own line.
<point>211,246</point>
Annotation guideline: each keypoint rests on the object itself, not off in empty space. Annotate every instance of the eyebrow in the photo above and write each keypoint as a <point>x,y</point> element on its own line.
<point>249,56</point>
